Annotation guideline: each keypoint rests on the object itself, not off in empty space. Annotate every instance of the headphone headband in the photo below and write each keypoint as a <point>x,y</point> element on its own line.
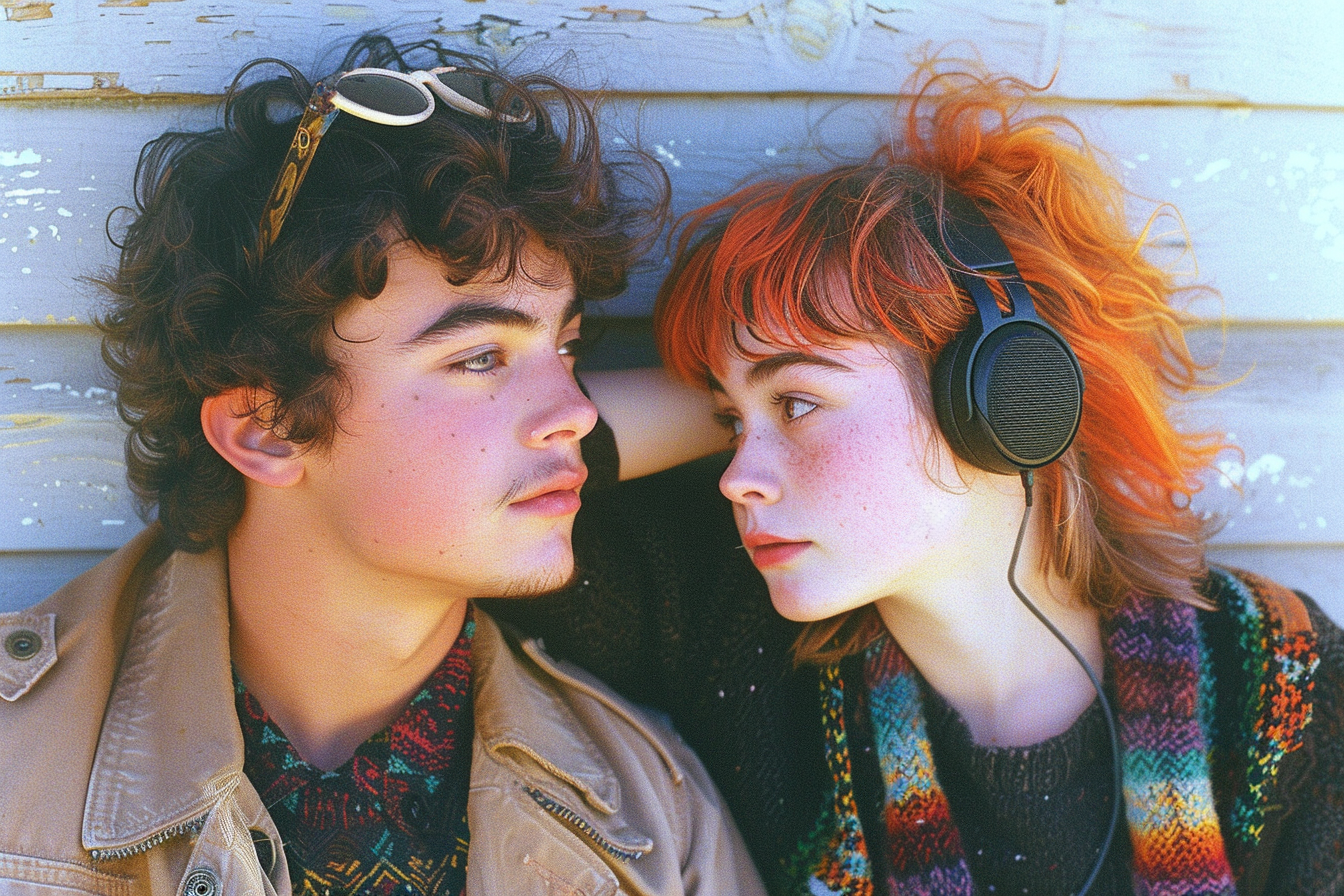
<point>1008,389</point>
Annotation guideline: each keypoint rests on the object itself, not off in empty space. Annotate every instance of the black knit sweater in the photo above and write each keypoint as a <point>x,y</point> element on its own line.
<point>667,610</point>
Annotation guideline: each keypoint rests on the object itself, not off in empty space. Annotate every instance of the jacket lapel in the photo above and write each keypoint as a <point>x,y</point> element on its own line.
<point>525,724</point>
<point>170,746</point>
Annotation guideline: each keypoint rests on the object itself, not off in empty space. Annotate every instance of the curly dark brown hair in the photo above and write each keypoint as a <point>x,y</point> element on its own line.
<point>193,312</point>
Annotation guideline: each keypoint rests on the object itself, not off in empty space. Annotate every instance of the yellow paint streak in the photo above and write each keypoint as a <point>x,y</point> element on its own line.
<point>26,11</point>
<point>134,3</point>
<point>31,421</point>
<point>50,321</point>
<point>350,12</point>
<point>25,444</point>
<point>742,21</point>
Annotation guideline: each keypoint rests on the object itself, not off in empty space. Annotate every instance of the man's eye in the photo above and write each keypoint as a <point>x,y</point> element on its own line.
<point>796,407</point>
<point>482,363</point>
<point>571,348</point>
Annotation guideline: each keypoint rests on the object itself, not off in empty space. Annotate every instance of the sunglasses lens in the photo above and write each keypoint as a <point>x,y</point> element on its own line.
<point>483,90</point>
<point>383,93</point>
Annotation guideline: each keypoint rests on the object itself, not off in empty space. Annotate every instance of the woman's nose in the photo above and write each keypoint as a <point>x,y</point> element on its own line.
<point>751,477</point>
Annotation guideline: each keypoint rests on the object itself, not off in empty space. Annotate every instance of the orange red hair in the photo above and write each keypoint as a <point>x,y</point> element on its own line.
<point>838,254</point>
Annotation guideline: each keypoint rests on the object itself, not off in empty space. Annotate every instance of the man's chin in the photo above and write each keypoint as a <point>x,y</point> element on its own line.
<point>535,585</point>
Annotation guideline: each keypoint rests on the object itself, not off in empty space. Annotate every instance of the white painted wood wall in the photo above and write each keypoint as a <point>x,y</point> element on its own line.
<point>1232,110</point>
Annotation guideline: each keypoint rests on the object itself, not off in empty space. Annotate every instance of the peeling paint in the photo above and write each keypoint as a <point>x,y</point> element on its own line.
<point>740,21</point>
<point>30,11</point>
<point>665,153</point>
<point>1234,473</point>
<point>1323,208</point>
<point>812,30</point>
<point>498,33</point>
<point>604,14</point>
<point>1212,170</point>
<point>22,157</point>
<point>56,84</point>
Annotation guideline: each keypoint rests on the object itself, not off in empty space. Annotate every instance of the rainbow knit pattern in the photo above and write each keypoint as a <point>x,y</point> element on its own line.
<point>1163,687</point>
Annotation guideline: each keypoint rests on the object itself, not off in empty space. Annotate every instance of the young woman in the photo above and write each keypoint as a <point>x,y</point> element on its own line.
<point>891,344</point>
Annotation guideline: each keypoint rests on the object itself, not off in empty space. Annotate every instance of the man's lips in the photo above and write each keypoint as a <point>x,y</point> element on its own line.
<point>557,496</point>
<point>772,550</point>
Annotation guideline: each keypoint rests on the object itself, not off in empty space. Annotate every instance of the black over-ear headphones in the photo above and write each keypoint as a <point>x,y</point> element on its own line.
<point>1007,390</point>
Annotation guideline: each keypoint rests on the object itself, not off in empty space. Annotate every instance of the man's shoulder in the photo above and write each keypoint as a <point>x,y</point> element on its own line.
<point>57,666</point>
<point>61,628</point>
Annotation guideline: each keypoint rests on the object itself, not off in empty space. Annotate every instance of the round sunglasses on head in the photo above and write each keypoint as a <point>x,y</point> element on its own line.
<point>382,96</point>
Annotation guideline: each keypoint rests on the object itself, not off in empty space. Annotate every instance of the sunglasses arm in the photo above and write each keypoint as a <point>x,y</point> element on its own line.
<point>317,117</point>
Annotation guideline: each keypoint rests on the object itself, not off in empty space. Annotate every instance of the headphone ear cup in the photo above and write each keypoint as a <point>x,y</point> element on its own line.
<point>949,399</point>
<point>1011,401</point>
<point>1029,393</point>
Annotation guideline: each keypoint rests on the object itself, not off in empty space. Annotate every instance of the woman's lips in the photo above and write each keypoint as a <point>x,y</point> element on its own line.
<point>771,550</point>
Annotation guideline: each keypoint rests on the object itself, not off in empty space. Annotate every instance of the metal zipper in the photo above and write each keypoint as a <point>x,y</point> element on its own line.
<point>125,852</point>
<point>572,818</point>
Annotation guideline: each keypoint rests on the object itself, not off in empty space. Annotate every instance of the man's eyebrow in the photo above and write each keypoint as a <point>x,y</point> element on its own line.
<point>767,367</point>
<point>477,313</point>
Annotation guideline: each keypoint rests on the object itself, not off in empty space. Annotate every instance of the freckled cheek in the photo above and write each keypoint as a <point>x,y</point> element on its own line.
<point>839,470</point>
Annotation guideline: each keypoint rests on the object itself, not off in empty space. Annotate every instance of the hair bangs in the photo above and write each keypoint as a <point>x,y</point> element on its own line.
<point>814,262</point>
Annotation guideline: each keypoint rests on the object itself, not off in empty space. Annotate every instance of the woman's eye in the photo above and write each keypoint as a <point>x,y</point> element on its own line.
<point>796,407</point>
<point>571,348</point>
<point>482,363</point>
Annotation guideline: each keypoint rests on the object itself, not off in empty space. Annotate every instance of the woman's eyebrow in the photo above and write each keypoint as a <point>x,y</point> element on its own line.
<point>765,368</point>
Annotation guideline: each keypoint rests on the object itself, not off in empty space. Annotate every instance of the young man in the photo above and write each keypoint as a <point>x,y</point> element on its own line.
<point>346,358</point>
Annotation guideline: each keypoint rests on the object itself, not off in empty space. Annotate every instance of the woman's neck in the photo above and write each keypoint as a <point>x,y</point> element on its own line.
<point>979,647</point>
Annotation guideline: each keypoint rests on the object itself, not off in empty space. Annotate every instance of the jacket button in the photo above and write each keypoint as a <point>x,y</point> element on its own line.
<point>201,882</point>
<point>23,644</point>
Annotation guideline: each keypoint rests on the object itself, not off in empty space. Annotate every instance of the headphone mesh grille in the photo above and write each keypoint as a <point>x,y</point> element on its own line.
<point>1033,399</point>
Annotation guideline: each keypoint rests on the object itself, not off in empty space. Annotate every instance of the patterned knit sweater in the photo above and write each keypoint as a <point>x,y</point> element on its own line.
<point>670,614</point>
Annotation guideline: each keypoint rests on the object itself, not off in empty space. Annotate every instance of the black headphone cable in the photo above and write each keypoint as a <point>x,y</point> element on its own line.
<point>1117,799</point>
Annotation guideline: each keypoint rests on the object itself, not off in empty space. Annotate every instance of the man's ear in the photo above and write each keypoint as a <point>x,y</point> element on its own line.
<point>231,425</point>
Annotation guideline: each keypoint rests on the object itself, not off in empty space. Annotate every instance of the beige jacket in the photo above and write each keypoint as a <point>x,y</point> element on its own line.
<point>121,759</point>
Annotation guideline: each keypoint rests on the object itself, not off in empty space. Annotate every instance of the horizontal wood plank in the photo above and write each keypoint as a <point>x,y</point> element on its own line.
<point>26,578</point>
<point>61,460</point>
<point>1283,54</point>
<point>1284,410</point>
<point>63,474</point>
<point>1261,192</point>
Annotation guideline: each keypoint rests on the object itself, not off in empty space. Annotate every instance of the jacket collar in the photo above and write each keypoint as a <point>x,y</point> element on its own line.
<point>170,745</point>
<point>528,723</point>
